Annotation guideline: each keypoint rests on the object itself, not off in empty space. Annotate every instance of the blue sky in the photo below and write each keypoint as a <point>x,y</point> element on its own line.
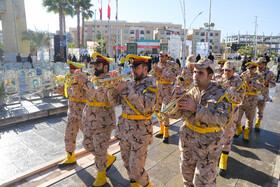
<point>229,16</point>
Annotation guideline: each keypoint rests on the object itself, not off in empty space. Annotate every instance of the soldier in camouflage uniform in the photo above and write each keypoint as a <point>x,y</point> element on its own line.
<point>269,82</point>
<point>219,72</point>
<point>205,110</point>
<point>186,77</point>
<point>165,75</point>
<point>135,127</point>
<point>236,88</point>
<point>253,83</point>
<point>99,119</point>
<point>76,105</point>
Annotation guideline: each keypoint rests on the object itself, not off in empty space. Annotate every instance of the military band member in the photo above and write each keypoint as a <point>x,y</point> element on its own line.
<point>269,82</point>
<point>99,119</point>
<point>205,110</point>
<point>135,127</point>
<point>186,77</point>
<point>219,72</point>
<point>254,84</point>
<point>236,88</point>
<point>76,104</point>
<point>165,75</point>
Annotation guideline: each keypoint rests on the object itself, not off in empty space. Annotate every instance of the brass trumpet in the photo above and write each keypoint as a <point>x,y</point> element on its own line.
<point>172,103</point>
<point>107,82</point>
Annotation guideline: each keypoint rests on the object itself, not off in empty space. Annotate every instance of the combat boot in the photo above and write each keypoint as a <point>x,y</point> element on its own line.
<point>149,185</point>
<point>160,134</point>
<point>246,135</point>
<point>69,161</point>
<point>110,160</point>
<point>258,125</point>
<point>134,184</point>
<point>223,164</point>
<point>166,135</point>
<point>238,131</point>
<point>100,179</point>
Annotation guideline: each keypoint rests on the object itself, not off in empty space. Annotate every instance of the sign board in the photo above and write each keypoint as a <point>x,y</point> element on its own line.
<point>43,54</point>
<point>202,49</point>
<point>132,48</point>
<point>174,46</point>
<point>164,47</point>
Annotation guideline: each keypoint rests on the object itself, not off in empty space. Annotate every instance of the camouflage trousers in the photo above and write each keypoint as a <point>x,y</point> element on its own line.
<point>249,108</point>
<point>229,131</point>
<point>260,107</point>
<point>97,142</point>
<point>199,157</point>
<point>72,129</point>
<point>134,158</point>
<point>163,100</point>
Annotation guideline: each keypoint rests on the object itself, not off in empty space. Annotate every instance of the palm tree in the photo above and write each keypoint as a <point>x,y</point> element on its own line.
<point>86,14</point>
<point>37,39</point>
<point>77,11</point>
<point>59,7</point>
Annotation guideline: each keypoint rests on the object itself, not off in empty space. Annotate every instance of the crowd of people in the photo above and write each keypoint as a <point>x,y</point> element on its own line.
<point>211,105</point>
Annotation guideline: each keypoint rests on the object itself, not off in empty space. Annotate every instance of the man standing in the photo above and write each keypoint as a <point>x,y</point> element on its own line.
<point>211,57</point>
<point>236,88</point>
<point>98,119</point>
<point>269,82</point>
<point>253,83</point>
<point>165,75</point>
<point>76,105</point>
<point>219,72</point>
<point>135,127</point>
<point>205,110</point>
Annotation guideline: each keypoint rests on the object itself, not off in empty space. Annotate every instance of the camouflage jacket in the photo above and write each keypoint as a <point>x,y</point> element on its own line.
<point>169,73</point>
<point>236,87</point>
<point>76,92</point>
<point>188,78</point>
<point>269,77</point>
<point>213,109</point>
<point>218,74</point>
<point>255,85</point>
<point>142,96</point>
<point>102,116</point>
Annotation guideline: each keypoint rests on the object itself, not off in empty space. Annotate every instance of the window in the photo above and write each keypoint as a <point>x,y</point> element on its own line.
<point>148,31</point>
<point>161,32</point>
<point>211,34</point>
<point>132,37</point>
<point>97,26</point>
<point>168,33</point>
<point>216,47</point>
<point>142,32</point>
<point>210,40</point>
<point>216,41</point>
<point>161,38</point>
<point>106,26</point>
<point>202,40</point>
<point>202,34</point>
<point>148,38</point>
<point>196,33</point>
<point>141,38</point>
<point>126,37</point>
<point>125,31</point>
<point>216,34</point>
<point>196,40</point>
<point>132,32</point>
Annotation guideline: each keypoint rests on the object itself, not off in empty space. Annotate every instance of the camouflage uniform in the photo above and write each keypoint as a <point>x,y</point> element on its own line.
<point>98,122</point>
<point>135,135</point>
<point>236,87</point>
<point>268,76</point>
<point>76,105</point>
<point>249,103</point>
<point>188,78</point>
<point>169,72</point>
<point>200,151</point>
<point>218,74</point>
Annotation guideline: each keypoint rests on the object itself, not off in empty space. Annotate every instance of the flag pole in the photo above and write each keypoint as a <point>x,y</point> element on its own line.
<point>117,39</point>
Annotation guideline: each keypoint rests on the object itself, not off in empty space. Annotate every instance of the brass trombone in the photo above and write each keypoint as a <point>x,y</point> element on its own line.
<point>167,111</point>
<point>107,82</point>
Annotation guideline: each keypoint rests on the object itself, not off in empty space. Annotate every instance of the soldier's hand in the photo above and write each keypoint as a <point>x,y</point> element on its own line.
<point>114,74</point>
<point>60,90</point>
<point>187,103</point>
<point>120,86</point>
<point>178,92</point>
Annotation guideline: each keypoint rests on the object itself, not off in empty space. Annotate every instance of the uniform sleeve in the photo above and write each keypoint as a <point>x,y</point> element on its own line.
<point>214,113</point>
<point>272,80</point>
<point>73,88</point>
<point>114,97</point>
<point>143,100</point>
<point>256,84</point>
<point>171,75</point>
<point>88,86</point>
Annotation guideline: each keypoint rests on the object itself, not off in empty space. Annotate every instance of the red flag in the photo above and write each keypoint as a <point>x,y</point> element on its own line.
<point>117,6</point>
<point>100,8</point>
<point>109,9</point>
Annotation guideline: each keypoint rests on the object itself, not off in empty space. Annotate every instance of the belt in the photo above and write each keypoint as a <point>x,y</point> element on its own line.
<point>77,100</point>
<point>203,130</point>
<point>235,104</point>
<point>250,93</point>
<point>135,117</point>
<point>164,82</point>
<point>97,104</point>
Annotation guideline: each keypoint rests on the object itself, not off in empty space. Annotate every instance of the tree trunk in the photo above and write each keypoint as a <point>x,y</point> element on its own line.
<point>83,30</point>
<point>78,25</point>
<point>61,33</point>
<point>64,24</point>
